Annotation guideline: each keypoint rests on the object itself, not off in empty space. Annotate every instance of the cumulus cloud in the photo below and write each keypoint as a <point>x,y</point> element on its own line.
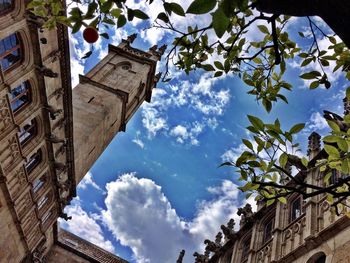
<point>85,226</point>
<point>140,216</point>
<point>88,181</point>
<point>205,100</point>
<point>316,123</point>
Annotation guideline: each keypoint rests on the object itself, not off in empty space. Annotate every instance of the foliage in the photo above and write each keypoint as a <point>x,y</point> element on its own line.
<point>263,167</point>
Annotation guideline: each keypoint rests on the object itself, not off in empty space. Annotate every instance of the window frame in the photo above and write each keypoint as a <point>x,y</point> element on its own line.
<point>7,10</point>
<point>267,236</point>
<point>31,167</point>
<point>292,218</point>
<point>27,92</point>
<point>18,47</point>
<point>33,126</point>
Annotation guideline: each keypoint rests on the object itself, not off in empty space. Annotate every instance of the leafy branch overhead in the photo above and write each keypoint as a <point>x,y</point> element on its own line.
<point>223,44</point>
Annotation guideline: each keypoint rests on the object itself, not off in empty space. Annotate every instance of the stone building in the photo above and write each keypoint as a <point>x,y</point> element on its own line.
<point>300,231</point>
<point>40,114</point>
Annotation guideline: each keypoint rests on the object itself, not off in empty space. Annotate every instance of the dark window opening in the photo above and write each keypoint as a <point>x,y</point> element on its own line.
<point>6,6</point>
<point>245,249</point>
<point>28,132</point>
<point>295,209</point>
<point>20,96</point>
<point>268,227</point>
<point>10,51</point>
<point>33,161</point>
<point>321,259</point>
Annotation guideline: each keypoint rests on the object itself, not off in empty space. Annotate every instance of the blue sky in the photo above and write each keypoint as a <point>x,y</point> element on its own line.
<point>157,188</point>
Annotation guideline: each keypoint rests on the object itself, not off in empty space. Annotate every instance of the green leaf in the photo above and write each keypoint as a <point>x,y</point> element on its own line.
<point>220,22</point>
<point>327,177</point>
<point>297,128</point>
<point>76,27</point>
<point>105,35</point>
<point>207,67</point>
<point>248,144</point>
<point>331,150</point>
<point>314,84</point>
<point>116,12</point>
<point>282,199</point>
<point>310,75</point>
<point>218,74</point>
<point>270,202</point>
<point>163,16</point>
<point>263,29</point>
<point>333,126</point>
<point>348,93</point>
<point>140,14</point>
<point>283,159</point>
<point>121,21</point>
<point>331,138</point>
<point>219,65</point>
<point>256,122</point>
<point>177,9</point>
<point>304,161</point>
<point>226,164</point>
<point>87,54</point>
<point>342,145</point>
<point>201,6</point>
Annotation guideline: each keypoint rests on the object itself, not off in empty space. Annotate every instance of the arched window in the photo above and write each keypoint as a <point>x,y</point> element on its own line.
<point>27,132</point>
<point>319,257</point>
<point>10,51</point>
<point>20,96</point>
<point>6,6</point>
<point>33,161</point>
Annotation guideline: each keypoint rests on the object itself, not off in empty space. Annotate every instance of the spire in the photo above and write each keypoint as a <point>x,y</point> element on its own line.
<point>314,145</point>
<point>129,40</point>
<point>181,256</point>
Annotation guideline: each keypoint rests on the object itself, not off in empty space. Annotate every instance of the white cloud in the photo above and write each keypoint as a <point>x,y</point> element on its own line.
<point>87,180</point>
<point>203,98</point>
<point>85,226</point>
<point>316,123</point>
<point>139,142</point>
<point>140,216</point>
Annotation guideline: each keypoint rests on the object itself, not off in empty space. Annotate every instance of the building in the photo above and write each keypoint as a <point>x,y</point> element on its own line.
<point>300,231</point>
<point>47,144</point>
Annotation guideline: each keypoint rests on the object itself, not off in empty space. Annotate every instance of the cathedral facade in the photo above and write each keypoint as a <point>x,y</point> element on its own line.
<point>40,162</point>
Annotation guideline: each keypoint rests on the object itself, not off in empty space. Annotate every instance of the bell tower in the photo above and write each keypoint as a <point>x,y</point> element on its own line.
<point>106,98</point>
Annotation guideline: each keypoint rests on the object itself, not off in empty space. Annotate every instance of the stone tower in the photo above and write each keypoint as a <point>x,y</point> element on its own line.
<point>107,97</point>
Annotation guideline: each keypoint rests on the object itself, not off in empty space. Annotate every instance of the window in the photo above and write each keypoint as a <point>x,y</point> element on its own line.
<point>295,209</point>
<point>33,161</point>
<point>10,51</point>
<point>42,201</point>
<point>245,249</point>
<point>268,227</point>
<point>28,132</point>
<point>334,178</point>
<point>5,6</point>
<point>46,217</point>
<point>37,184</point>
<point>321,259</point>
<point>20,96</point>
